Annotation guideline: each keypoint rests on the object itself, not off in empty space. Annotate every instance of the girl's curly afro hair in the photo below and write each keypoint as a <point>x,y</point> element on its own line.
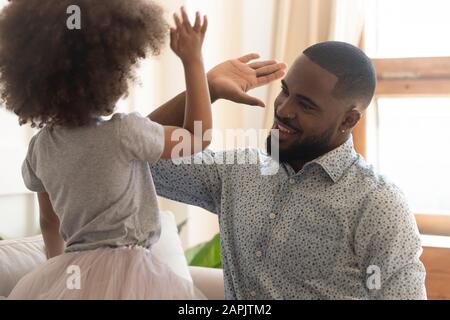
<point>50,75</point>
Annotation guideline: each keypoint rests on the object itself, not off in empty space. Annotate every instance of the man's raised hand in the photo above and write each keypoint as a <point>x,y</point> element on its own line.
<point>232,79</point>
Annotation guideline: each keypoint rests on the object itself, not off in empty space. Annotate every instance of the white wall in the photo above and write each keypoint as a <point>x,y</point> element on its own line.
<point>17,205</point>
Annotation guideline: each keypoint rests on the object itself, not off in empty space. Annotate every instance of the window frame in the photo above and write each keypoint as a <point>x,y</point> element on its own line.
<point>418,77</point>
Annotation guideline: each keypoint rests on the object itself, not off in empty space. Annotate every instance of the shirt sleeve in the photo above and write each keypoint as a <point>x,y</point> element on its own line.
<point>140,138</point>
<point>388,246</point>
<point>195,180</point>
<point>31,180</point>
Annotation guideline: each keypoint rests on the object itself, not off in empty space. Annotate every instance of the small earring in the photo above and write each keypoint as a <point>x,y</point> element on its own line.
<point>343,131</point>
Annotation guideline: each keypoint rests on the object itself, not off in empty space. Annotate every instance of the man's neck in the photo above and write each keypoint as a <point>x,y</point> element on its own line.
<point>298,165</point>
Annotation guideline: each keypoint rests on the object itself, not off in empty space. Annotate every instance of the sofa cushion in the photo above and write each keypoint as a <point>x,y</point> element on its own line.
<point>18,257</point>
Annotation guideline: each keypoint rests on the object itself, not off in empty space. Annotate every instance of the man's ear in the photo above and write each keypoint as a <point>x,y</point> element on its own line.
<point>351,118</point>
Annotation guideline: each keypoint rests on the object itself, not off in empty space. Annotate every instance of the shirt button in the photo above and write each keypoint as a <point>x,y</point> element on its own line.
<point>272,215</point>
<point>291,180</point>
<point>253,293</point>
<point>258,254</point>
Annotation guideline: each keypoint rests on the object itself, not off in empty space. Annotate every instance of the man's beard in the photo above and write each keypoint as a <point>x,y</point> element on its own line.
<point>310,149</point>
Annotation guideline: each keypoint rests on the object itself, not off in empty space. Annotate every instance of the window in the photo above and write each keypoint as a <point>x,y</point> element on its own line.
<point>411,110</point>
<point>413,133</point>
<point>408,28</point>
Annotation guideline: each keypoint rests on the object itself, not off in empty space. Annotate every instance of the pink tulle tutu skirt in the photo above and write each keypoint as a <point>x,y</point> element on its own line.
<point>126,273</point>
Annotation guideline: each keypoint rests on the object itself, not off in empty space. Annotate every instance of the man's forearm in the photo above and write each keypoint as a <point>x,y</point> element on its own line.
<point>172,112</point>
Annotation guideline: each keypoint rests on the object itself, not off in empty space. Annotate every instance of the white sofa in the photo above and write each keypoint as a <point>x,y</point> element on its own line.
<point>18,257</point>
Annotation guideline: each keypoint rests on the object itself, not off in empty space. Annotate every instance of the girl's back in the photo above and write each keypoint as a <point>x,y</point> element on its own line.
<point>92,176</point>
<point>99,181</point>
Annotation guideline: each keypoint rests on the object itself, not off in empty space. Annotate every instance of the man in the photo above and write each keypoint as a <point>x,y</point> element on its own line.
<point>325,226</point>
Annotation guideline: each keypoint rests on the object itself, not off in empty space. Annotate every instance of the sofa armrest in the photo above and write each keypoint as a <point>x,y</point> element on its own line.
<point>209,281</point>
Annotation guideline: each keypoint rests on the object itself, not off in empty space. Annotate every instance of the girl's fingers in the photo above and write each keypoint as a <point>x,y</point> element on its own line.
<point>173,39</point>
<point>173,35</point>
<point>177,20</point>
<point>205,24</point>
<point>186,23</point>
<point>249,57</point>
<point>197,24</point>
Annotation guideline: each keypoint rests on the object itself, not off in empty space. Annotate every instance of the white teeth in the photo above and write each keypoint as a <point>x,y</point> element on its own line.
<point>283,129</point>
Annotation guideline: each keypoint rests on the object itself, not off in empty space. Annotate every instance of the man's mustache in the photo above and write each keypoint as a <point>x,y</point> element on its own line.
<point>287,125</point>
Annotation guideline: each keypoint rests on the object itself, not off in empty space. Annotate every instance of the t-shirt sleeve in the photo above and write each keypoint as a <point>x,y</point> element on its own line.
<point>31,180</point>
<point>140,138</point>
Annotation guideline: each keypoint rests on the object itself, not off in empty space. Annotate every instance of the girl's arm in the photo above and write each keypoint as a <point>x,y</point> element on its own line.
<point>186,41</point>
<point>49,221</point>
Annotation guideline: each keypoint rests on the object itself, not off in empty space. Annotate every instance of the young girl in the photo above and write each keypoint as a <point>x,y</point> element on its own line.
<point>95,190</point>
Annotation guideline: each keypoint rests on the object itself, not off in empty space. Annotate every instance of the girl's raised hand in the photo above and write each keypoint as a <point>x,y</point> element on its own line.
<point>186,40</point>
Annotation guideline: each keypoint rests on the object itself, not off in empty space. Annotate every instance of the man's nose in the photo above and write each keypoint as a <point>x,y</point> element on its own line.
<point>286,110</point>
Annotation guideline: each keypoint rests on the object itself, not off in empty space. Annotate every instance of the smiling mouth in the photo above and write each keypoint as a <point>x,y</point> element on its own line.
<point>284,129</point>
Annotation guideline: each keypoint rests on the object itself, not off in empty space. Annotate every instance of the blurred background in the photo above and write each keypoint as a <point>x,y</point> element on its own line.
<point>403,134</point>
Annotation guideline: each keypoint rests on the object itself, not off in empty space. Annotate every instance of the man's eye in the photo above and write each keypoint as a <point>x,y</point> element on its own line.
<point>305,106</point>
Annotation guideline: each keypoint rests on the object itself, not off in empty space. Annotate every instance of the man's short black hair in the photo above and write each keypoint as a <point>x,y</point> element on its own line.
<point>353,68</point>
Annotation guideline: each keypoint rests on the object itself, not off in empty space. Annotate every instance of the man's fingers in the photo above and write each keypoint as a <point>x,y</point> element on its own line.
<point>270,68</point>
<point>249,100</point>
<point>249,57</point>
<point>271,77</point>
<point>261,64</point>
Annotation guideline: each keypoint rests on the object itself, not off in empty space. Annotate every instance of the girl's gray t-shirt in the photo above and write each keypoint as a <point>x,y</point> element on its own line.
<point>99,181</point>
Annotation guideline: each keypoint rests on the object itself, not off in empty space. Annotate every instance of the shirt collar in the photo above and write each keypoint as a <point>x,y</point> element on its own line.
<point>335,162</point>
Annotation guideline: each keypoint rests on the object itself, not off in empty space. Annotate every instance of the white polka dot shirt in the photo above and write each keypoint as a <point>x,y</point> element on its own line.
<point>334,230</point>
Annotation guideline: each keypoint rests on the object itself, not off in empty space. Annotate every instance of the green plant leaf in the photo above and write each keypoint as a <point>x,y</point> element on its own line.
<point>205,254</point>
